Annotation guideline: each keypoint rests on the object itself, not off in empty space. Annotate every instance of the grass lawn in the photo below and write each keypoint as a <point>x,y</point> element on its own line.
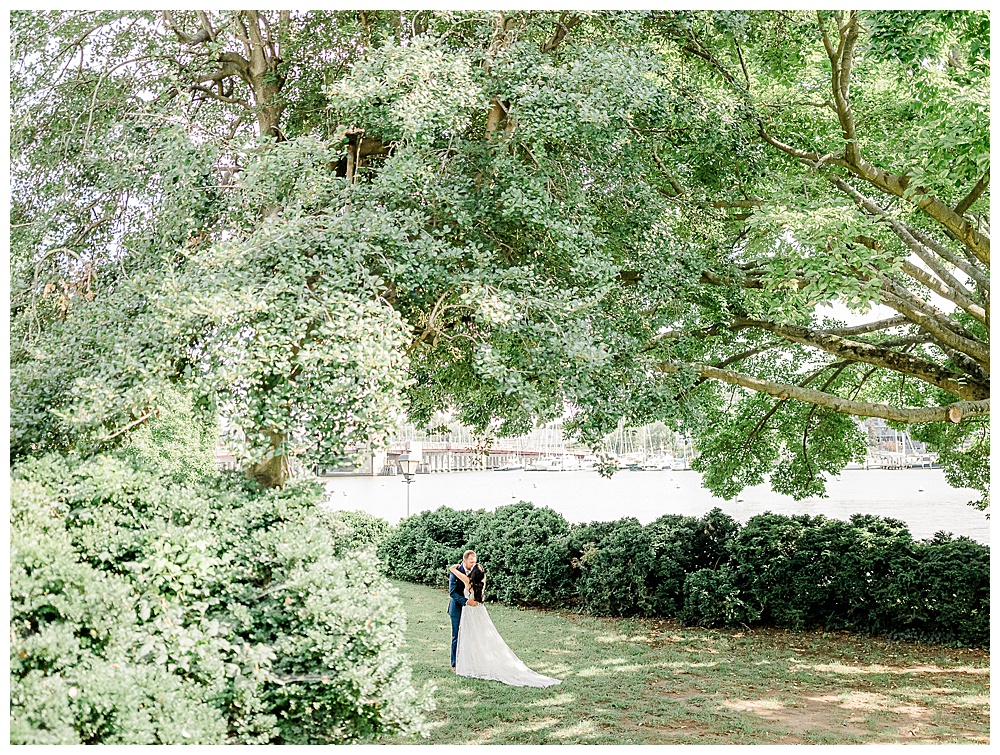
<point>655,682</point>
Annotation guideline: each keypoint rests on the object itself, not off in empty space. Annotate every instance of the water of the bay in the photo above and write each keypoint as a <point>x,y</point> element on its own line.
<point>920,497</point>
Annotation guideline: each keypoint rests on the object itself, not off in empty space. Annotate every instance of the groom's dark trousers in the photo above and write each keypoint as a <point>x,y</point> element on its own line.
<point>456,590</point>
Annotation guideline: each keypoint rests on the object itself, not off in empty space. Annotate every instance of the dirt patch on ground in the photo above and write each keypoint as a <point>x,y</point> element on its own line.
<point>804,715</point>
<point>774,709</point>
<point>657,681</point>
<point>814,715</point>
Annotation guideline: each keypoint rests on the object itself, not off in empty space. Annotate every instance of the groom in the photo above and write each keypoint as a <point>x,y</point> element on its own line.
<point>456,590</point>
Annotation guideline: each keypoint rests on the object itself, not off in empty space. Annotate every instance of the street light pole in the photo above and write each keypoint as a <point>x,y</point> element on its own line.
<point>408,466</point>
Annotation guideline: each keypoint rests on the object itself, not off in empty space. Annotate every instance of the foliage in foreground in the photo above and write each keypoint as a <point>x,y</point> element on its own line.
<point>148,611</point>
<point>800,572</point>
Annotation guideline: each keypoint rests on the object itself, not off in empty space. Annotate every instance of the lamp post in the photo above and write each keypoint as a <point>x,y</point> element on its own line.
<point>408,466</point>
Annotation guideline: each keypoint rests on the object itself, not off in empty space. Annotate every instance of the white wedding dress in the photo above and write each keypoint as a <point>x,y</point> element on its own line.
<point>483,654</point>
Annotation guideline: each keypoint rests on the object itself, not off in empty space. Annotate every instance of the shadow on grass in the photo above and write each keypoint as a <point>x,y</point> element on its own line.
<point>657,682</point>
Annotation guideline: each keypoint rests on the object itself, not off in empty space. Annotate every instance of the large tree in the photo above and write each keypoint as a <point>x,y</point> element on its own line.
<point>871,188</point>
<point>318,221</point>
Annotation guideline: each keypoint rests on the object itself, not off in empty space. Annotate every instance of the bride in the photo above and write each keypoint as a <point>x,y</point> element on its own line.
<point>482,653</point>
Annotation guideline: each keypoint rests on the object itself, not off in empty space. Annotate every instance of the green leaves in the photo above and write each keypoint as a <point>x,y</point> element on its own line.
<point>423,92</point>
<point>145,610</point>
<point>446,211</point>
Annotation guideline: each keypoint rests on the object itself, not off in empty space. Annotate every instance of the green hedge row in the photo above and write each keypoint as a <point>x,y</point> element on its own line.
<point>151,609</point>
<point>800,572</point>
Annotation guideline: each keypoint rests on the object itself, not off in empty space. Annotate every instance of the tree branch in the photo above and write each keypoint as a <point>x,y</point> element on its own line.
<point>956,292</point>
<point>710,278</point>
<point>204,35</point>
<point>977,191</point>
<point>897,185</point>
<point>916,310</point>
<point>871,327</point>
<point>976,242</point>
<point>220,97</point>
<point>130,425</point>
<point>745,204</point>
<point>965,363</point>
<point>242,34</point>
<point>206,24</point>
<point>747,354</point>
<point>925,279</point>
<point>877,355</point>
<point>233,64</point>
<point>841,62</point>
<point>563,27</point>
<point>943,291</point>
<point>907,414</point>
<point>933,325</point>
<point>969,267</point>
<point>894,288</point>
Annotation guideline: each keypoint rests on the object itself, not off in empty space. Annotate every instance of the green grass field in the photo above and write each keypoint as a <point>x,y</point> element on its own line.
<point>656,682</point>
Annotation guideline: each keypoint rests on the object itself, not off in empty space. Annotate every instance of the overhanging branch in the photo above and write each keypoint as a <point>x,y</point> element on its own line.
<point>907,414</point>
<point>972,196</point>
<point>200,37</point>
<point>876,355</point>
<point>871,327</point>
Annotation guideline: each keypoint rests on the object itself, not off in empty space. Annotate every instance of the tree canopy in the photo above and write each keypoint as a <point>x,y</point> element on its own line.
<point>315,222</point>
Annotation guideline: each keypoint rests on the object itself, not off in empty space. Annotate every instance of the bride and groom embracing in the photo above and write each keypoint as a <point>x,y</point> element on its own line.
<point>477,649</point>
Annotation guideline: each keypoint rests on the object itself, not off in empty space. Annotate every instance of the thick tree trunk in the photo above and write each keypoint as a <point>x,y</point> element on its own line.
<point>263,74</point>
<point>266,82</point>
<point>274,470</point>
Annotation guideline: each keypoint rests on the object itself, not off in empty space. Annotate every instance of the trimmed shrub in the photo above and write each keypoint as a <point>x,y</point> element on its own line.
<point>799,572</point>
<point>713,598</point>
<point>863,556</point>
<point>367,531</point>
<point>683,545</point>
<point>942,596</point>
<point>421,547</point>
<point>148,611</point>
<point>867,575</point>
<point>695,542</point>
<point>614,571</point>
<point>766,558</point>
<point>864,575</point>
<point>525,553</point>
<point>627,569</point>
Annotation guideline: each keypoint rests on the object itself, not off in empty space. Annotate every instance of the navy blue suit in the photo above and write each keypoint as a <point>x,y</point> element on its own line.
<point>456,591</point>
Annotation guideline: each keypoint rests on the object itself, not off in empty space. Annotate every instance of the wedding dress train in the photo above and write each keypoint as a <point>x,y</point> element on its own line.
<point>483,654</point>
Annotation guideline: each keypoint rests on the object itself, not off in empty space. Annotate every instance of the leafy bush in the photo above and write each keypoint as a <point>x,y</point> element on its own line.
<point>146,611</point>
<point>799,572</point>
<point>74,630</point>
<point>627,569</point>
<point>614,571</point>
<point>865,575</point>
<point>525,553</point>
<point>873,552</point>
<point>943,595</point>
<point>422,546</point>
<point>763,553</point>
<point>367,531</point>
<point>683,545</point>
<point>713,597</point>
